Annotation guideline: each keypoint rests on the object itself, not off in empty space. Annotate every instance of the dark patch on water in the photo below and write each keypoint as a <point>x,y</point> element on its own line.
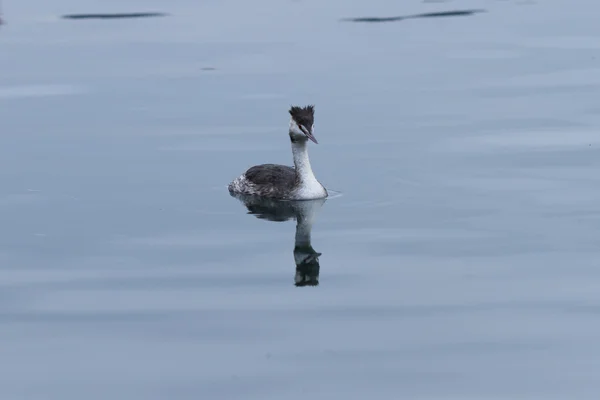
<point>114,15</point>
<point>457,13</point>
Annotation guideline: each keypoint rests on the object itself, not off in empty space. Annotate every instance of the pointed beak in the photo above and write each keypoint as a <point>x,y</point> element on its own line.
<point>308,134</point>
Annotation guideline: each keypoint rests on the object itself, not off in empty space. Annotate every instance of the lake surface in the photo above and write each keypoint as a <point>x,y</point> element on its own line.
<point>460,259</point>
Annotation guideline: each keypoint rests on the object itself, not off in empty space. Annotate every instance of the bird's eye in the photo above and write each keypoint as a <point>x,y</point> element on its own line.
<point>304,130</point>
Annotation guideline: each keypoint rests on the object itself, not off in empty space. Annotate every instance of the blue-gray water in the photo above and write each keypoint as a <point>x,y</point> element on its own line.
<point>460,262</point>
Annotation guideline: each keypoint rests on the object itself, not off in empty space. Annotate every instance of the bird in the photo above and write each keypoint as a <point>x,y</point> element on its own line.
<point>281,181</point>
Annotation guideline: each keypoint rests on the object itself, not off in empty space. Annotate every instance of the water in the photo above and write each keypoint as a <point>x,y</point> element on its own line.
<point>460,260</point>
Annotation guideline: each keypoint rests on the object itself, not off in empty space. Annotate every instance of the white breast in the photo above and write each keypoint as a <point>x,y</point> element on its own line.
<point>310,189</point>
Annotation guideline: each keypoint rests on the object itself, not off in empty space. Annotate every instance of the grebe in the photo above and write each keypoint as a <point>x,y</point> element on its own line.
<point>280,181</point>
<point>305,213</point>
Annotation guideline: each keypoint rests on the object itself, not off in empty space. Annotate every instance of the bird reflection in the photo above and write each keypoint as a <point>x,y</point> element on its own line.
<point>304,212</point>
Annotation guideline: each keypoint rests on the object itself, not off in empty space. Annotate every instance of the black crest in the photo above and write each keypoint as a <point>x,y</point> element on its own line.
<point>303,116</point>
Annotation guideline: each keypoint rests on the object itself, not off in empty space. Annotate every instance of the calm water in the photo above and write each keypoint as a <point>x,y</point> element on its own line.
<point>461,260</point>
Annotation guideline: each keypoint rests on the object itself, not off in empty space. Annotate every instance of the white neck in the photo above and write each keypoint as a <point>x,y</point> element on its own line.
<point>302,163</point>
<point>309,186</point>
